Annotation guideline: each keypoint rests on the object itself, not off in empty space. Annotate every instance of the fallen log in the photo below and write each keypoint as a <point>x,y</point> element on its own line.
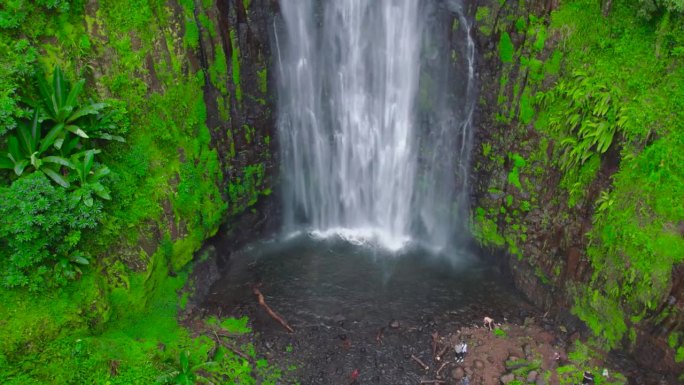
<point>274,315</point>
<point>420,362</point>
<point>440,368</point>
<point>435,345</point>
<point>441,352</point>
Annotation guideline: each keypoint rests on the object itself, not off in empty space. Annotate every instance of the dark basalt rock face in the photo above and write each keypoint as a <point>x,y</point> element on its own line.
<point>241,111</point>
<point>552,261</point>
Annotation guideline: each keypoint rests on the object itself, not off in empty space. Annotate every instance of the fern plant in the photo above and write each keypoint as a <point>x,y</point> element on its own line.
<point>587,116</point>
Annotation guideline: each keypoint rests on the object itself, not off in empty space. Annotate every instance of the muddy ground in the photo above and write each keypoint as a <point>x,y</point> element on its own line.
<point>413,345</point>
<point>523,347</point>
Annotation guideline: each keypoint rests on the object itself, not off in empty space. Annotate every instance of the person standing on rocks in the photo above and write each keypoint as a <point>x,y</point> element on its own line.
<point>461,350</point>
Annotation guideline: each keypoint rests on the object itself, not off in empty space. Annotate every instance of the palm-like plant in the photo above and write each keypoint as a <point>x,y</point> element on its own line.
<point>27,148</point>
<point>50,140</point>
<point>59,102</point>
<point>88,178</point>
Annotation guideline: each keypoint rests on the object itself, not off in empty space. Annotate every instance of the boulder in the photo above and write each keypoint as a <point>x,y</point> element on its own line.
<point>457,373</point>
<point>478,364</point>
<point>506,378</point>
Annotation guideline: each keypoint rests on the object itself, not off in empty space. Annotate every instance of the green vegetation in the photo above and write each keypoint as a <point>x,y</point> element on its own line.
<point>591,99</point>
<point>634,221</point>
<point>582,358</point>
<point>235,58</point>
<point>506,48</point>
<point>97,232</point>
<point>245,191</point>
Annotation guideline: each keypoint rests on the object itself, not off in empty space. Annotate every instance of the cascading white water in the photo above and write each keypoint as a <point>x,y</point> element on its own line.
<point>356,160</point>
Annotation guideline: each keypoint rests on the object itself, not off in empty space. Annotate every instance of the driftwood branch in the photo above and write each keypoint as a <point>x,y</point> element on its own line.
<point>440,368</point>
<point>420,362</point>
<point>378,338</point>
<point>432,382</point>
<point>435,345</point>
<point>442,352</point>
<point>274,315</point>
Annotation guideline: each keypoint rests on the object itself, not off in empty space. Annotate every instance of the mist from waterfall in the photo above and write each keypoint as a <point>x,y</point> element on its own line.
<point>374,119</point>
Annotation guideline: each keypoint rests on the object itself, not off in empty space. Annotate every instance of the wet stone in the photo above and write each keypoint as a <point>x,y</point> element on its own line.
<point>529,352</point>
<point>532,377</point>
<point>506,378</point>
<point>478,364</point>
<point>394,324</point>
<point>457,373</point>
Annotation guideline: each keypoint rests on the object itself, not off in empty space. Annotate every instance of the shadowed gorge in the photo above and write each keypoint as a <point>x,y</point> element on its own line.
<point>345,192</point>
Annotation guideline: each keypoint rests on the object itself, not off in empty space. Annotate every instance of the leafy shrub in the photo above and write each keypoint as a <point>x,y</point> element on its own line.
<point>40,232</point>
<point>587,115</point>
<point>648,8</point>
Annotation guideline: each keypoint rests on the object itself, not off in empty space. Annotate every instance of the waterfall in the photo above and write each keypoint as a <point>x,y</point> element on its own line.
<point>361,155</point>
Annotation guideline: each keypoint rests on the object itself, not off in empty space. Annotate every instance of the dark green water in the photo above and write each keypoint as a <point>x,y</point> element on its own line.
<point>338,296</point>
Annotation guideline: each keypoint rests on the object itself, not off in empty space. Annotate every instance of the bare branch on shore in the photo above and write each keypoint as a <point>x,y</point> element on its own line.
<point>420,362</point>
<point>274,315</point>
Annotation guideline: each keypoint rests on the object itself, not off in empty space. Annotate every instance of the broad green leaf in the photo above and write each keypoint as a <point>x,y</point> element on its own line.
<point>13,147</point>
<point>60,86</point>
<point>88,162</point>
<point>52,137</point>
<point>87,110</point>
<point>76,196</point>
<point>46,93</point>
<point>25,139</point>
<point>20,166</point>
<point>100,172</point>
<point>36,161</point>
<point>79,259</point>
<point>101,191</point>
<point>109,137</point>
<point>58,160</point>
<point>57,111</point>
<point>73,94</point>
<point>77,131</point>
<point>55,176</point>
<point>70,145</point>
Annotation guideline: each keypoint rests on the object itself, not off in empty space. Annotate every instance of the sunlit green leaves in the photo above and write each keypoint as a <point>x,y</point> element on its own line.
<point>587,113</point>
<point>39,232</point>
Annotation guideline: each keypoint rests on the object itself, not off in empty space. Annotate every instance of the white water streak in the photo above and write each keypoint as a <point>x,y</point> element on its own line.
<point>349,74</point>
